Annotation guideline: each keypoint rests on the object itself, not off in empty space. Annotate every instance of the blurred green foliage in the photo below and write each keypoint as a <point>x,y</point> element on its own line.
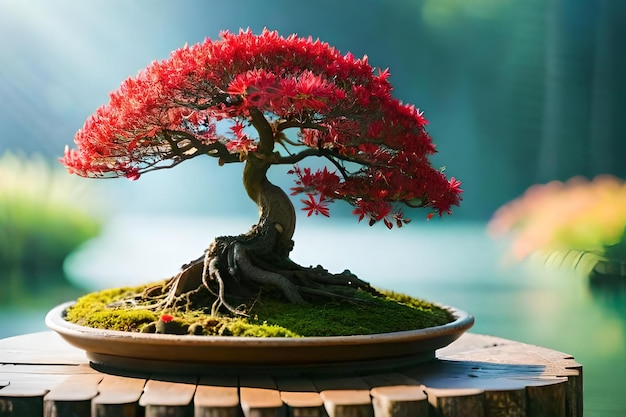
<point>44,215</point>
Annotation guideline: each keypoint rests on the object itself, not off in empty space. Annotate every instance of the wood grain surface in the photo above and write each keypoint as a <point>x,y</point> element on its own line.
<point>41,375</point>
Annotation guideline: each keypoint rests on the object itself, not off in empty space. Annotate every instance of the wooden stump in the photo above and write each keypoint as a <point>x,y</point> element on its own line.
<point>481,376</point>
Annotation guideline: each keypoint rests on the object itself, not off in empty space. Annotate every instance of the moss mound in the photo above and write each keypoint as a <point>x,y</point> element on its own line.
<point>268,317</point>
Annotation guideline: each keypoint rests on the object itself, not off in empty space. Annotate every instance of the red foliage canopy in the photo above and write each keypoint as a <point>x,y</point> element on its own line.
<point>201,101</point>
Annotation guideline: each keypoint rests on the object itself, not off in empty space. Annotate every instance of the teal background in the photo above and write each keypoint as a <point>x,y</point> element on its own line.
<point>517,92</point>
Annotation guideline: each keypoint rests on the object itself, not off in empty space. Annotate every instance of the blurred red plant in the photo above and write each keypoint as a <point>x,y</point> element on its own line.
<point>580,214</point>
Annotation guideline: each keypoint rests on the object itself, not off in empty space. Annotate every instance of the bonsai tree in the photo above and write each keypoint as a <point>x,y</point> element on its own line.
<point>264,100</point>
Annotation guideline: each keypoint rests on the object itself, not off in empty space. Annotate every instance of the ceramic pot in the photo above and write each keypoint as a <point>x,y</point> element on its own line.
<point>149,352</point>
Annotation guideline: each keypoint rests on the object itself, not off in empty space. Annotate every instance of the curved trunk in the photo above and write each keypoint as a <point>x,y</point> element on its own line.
<point>277,216</point>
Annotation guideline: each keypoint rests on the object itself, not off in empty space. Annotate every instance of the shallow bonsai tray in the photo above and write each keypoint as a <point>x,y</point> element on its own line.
<point>163,353</point>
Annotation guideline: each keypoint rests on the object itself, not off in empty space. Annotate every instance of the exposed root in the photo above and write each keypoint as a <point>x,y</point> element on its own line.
<point>231,272</point>
<point>264,277</point>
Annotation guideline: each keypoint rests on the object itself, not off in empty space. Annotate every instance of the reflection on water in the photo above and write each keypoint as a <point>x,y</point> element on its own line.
<point>562,312</point>
<point>608,376</point>
<point>27,296</point>
<point>456,264</point>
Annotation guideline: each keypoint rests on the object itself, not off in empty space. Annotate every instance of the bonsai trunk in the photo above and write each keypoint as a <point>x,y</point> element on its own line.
<point>277,217</point>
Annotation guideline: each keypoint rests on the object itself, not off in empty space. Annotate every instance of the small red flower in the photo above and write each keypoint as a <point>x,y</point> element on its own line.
<point>133,174</point>
<point>166,318</point>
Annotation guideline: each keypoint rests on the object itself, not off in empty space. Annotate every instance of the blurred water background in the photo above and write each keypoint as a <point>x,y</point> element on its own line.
<point>517,93</point>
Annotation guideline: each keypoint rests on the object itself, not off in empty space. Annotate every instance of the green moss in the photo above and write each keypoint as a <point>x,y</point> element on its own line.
<point>268,318</point>
<point>395,312</point>
<point>91,310</point>
<point>245,328</point>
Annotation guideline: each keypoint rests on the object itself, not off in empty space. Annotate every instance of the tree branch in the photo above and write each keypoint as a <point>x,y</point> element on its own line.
<point>216,149</point>
<point>333,157</point>
<point>264,128</point>
<point>287,124</point>
<point>295,158</point>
